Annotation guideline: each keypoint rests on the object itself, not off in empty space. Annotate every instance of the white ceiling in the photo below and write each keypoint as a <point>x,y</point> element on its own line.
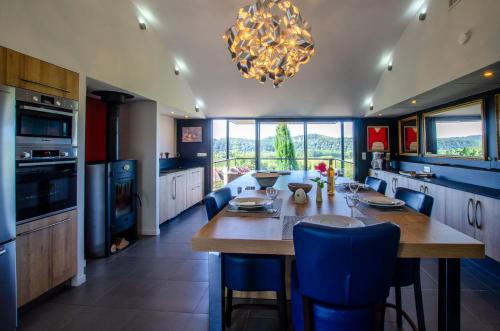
<point>351,37</point>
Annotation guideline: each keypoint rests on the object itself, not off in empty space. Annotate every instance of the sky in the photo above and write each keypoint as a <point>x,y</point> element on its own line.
<point>458,129</point>
<point>269,129</point>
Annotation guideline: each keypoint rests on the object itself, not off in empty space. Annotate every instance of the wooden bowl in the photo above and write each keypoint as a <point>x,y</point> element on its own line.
<point>266,179</point>
<point>295,186</point>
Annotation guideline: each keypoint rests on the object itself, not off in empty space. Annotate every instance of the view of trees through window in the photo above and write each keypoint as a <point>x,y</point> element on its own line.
<point>282,146</point>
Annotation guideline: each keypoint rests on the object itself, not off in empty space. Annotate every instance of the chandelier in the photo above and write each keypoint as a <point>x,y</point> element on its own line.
<point>270,39</point>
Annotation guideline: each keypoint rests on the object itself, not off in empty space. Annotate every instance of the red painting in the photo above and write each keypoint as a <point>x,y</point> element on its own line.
<point>410,137</point>
<point>378,139</point>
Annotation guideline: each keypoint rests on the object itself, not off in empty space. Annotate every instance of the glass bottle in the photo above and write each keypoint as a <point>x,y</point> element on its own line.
<point>331,179</point>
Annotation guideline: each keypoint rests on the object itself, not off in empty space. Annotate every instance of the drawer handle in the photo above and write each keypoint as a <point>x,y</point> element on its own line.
<point>479,224</point>
<point>46,85</point>
<point>469,220</point>
<point>43,228</point>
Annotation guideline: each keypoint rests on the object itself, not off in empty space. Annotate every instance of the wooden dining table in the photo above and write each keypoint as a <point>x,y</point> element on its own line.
<point>421,237</point>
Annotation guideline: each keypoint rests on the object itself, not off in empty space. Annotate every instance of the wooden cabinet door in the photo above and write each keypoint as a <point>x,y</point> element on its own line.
<point>459,211</point>
<point>33,74</point>
<point>439,205</point>
<point>33,264</point>
<point>487,221</point>
<point>63,250</point>
<point>180,192</point>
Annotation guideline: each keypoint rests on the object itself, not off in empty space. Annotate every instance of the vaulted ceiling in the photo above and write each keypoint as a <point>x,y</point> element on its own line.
<point>351,39</point>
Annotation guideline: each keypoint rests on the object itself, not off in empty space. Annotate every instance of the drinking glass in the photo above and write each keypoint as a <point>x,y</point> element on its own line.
<point>271,193</point>
<point>352,201</point>
<point>354,187</point>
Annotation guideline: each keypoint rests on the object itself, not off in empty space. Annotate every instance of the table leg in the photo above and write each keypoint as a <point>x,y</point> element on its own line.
<point>215,292</point>
<point>449,295</point>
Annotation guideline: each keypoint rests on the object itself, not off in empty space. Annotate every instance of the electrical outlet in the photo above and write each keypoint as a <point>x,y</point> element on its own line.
<point>427,170</point>
<point>363,156</point>
<point>201,154</point>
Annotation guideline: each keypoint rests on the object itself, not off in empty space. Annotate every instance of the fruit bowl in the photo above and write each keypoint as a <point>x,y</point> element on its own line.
<point>266,179</point>
<point>295,186</point>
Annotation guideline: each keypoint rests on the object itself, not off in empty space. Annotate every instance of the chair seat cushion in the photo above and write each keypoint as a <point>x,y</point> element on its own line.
<point>249,272</point>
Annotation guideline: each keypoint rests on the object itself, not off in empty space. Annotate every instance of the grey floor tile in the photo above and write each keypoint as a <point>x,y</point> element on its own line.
<point>48,317</point>
<point>158,268</point>
<point>88,293</point>
<point>191,270</point>
<point>484,305</point>
<point>197,322</point>
<point>100,319</point>
<point>259,324</point>
<point>157,321</point>
<point>202,307</point>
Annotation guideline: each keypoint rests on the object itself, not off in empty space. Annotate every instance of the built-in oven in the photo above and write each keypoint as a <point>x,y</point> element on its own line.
<point>45,119</point>
<point>44,188</point>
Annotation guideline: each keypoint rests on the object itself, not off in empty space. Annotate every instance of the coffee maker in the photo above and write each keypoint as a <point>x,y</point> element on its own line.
<point>377,160</point>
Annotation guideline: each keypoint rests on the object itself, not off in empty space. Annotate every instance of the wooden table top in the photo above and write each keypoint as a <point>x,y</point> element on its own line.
<point>420,235</point>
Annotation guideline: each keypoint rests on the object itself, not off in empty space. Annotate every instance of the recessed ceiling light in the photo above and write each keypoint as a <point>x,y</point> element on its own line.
<point>380,114</point>
<point>142,24</point>
<point>389,65</point>
<point>186,116</point>
<point>371,106</point>
<point>488,74</point>
<point>423,14</point>
<point>414,102</point>
<point>177,70</point>
<point>172,112</point>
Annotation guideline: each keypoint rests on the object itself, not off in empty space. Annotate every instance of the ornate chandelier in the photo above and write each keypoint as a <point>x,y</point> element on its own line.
<point>270,39</point>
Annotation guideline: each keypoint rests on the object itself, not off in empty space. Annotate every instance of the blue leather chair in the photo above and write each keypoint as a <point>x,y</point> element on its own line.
<point>408,270</point>
<point>248,272</point>
<point>376,184</point>
<point>341,276</point>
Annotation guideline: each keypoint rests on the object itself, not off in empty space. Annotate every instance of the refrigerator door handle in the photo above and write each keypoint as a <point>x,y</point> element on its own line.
<point>2,251</point>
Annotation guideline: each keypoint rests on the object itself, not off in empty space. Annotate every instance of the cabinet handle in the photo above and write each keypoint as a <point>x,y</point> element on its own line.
<point>394,184</point>
<point>479,224</point>
<point>421,189</point>
<point>469,203</point>
<point>46,85</point>
<point>43,228</point>
<point>426,190</point>
<point>174,183</point>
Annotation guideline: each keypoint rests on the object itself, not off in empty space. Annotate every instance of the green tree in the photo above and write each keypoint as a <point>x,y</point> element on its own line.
<point>285,151</point>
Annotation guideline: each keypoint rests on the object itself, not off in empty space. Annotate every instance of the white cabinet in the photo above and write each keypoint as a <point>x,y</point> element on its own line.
<point>438,192</point>
<point>487,223</point>
<point>180,190</point>
<point>459,211</point>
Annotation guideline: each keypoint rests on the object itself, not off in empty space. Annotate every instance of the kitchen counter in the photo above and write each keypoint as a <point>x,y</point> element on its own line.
<point>476,189</point>
<point>170,171</point>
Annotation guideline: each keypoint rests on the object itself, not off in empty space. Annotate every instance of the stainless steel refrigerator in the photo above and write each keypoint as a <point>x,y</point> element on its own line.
<point>8,300</point>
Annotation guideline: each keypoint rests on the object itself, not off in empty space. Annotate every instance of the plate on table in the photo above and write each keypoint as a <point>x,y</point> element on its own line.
<point>382,201</point>
<point>362,187</point>
<point>250,203</point>
<point>337,221</point>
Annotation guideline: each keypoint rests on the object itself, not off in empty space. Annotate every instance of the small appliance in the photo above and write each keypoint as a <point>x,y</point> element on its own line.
<point>377,160</point>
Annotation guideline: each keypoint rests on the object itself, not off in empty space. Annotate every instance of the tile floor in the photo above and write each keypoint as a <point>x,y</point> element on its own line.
<point>160,284</point>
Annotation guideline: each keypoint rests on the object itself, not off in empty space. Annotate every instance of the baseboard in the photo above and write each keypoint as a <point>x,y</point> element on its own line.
<point>78,280</point>
<point>148,232</point>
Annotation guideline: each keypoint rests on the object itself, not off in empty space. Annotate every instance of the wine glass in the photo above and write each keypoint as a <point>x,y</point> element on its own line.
<point>354,187</point>
<point>271,193</point>
<point>352,201</point>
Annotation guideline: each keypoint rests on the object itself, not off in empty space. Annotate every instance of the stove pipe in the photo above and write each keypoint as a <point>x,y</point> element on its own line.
<point>113,100</point>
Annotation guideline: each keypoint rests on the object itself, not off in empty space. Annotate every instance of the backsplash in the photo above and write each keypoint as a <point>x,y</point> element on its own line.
<point>170,163</point>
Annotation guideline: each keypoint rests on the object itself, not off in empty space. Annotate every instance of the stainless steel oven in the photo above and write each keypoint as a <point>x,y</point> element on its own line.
<point>45,119</point>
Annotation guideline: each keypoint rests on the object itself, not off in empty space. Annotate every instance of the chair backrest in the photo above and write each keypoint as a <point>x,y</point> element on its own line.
<point>376,184</point>
<point>346,266</point>
<point>215,201</point>
<point>416,200</point>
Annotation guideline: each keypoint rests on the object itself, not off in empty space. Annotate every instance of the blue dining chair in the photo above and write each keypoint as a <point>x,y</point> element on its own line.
<point>408,270</point>
<point>341,276</point>
<point>248,272</point>
<point>376,184</point>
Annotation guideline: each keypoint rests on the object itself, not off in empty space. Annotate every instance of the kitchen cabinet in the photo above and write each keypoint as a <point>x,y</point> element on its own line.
<point>487,223</point>
<point>27,72</point>
<point>179,191</point>
<point>459,211</point>
<point>46,254</point>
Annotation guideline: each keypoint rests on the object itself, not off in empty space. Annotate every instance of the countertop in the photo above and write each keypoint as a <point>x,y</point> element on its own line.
<point>170,171</point>
<point>476,189</point>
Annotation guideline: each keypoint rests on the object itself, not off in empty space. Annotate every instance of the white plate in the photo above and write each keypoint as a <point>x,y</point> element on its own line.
<point>382,201</point>
<point>250,203</point>
<point>337,221</point>
<point>361,186</point>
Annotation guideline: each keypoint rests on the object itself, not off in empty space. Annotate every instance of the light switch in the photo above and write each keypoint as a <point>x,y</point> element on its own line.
<point>201,154</point>
<point>363,156</point>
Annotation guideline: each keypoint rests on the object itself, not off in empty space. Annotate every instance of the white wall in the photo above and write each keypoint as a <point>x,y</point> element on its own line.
<point>138,132</point>
<point>166,135</point>
<point>429,55</point>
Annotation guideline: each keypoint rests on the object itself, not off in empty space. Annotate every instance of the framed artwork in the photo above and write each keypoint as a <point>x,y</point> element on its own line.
<point>410,137</point>
<point>378,138</point>
<point>192,134</point>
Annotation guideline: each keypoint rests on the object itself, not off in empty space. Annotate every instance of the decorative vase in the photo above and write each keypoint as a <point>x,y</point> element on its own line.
<point>319,193</point>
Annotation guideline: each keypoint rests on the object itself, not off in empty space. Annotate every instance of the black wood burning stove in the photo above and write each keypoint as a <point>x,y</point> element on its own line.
<point>111,197</point>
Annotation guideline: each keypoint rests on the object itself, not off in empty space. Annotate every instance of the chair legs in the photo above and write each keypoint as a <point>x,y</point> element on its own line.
<point>282,315</point>
<point>399,308</point>
<point>229,307</point>
<point>281,305</point>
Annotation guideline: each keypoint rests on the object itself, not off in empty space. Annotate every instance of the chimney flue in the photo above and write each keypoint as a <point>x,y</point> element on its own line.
<point>113,100</point>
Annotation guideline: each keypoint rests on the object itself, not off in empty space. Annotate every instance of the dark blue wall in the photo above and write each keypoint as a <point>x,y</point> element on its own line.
<point>188,151</point>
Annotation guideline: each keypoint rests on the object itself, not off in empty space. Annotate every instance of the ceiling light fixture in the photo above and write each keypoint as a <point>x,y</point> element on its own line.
<point>186,116</point>
<point>270,39</point>
<point>414,102</point>
<point>142,24</point>
<point>423,14</point>
<point>488,74</point>
<point>380,114</point>
<point>371,106</point>
<point>177,70</point>
<point>197,108</point>
<point>389,66</point>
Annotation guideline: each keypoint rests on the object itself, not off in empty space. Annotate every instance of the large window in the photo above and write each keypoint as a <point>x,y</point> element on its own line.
<point>281,145</point>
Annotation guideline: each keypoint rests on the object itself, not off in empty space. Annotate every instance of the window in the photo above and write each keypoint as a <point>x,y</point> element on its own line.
<point>281,146</point>
<point>324,143</point>
<point>219,152</point>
